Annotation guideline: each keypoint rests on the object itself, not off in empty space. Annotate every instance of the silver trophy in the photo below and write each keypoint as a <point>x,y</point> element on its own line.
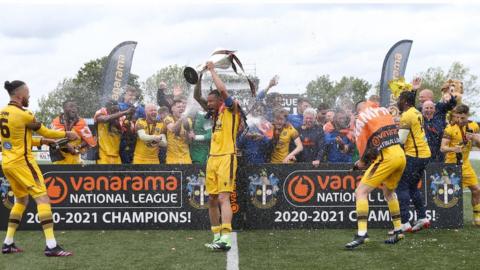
<point>222,59</point>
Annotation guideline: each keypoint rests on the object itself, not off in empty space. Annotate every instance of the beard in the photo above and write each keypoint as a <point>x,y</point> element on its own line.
<point>25,102</point>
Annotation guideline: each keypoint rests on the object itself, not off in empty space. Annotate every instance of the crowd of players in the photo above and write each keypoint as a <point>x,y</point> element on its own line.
<point>394,150</point>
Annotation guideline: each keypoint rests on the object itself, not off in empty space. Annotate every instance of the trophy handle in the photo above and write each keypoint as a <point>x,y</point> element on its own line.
<point>190,75</point>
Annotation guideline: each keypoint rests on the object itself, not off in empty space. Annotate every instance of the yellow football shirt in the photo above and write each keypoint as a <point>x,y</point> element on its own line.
<point>178,150</point>
<point>16,137</point>
<point>280,152</point>
<point>416,144</point>
<point>108,140</point>
<point>147,151</point>
<point>454,134</point>
<point>225,131</point>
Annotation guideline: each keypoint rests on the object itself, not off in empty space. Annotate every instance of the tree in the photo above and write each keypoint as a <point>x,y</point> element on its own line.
<point>434,78</point>
<point>172,75</point>
<point>320,90</point>
<point>351,88</point>
<point>84,88</point>
<point>332,93</point>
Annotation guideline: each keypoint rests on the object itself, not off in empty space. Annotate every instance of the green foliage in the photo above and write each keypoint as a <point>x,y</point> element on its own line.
<point>172,75</point>
<point>84,88</point>
<point>434,78</point>
<point>331,92</point>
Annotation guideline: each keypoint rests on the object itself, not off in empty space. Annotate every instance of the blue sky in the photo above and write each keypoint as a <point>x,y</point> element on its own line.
<point>42,44</point>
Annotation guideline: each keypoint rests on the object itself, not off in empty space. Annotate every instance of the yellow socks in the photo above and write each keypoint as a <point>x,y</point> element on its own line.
<point>362,216</point>
<point>226,228</point>
<point>476,214</point>
<point>394,209</point>
<point>216,232</point>
<point>13,221</point>
<point>46,219</point>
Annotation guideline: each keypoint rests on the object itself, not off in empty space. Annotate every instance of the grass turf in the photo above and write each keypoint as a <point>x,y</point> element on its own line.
<point>273,249</point>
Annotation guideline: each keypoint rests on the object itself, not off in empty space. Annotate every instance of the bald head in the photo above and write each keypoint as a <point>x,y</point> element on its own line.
<point>361,106</point>
<point>428,109</point>
<point>424,95</point>
<point>151,111</point>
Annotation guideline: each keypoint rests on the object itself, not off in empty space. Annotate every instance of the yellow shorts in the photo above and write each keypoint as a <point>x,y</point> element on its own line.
<point>387,168</point>
<point>469,177</point>
<point>140,160</point>
<point>69,159</point>
<point>221,174</point>
<point>25,180</point>
<point>178,160</point>
<point>104,159</point>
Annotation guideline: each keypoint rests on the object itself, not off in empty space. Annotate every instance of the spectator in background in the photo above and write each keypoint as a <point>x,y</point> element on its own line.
<point>150,137</point>
<point>322,110</point>
<point>434,127</point>
<point>128,138</point>
<point>254,144</point>
<point>442,107</point>
<point>179,134</point>
<point>273,103</point>
<point>263,93</point>
<point>375,99</point>
<point>109,121</point>
<point>338,146</point>
<point>328,127</point>
<point>312,137</point>
<point>163,113</point>
<point>297,119</point>
<point>424,95</point>
<point>283,134</point>
<point>70,121</point>
<point>200,145</point>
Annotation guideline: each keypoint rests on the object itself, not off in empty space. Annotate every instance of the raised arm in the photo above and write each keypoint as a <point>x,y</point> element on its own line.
<point>217,81</point>
<point>106,118</point>
<point>197,94</point>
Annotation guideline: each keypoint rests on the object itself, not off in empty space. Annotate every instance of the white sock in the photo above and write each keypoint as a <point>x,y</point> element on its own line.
<point>8,241</point>
<point>51,243</point>
<point>362,233</point>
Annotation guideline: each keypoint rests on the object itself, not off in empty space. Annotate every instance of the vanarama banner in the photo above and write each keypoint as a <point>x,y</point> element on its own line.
<point>117,70</point>
<point>267,196</point>
<point>300,196</point>
<point>124,197</point>
<point>394,66</point>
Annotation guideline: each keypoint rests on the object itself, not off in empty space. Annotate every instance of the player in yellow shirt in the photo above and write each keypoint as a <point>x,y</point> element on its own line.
<point>109,121</point>
<point>457,142</point>
<point>150,137</point>
<point>222,160</point>
<point>69,120</point>
<point>417,152</point>
<point>21,169</point>
<point>179,134</point>
<point>283,134</point>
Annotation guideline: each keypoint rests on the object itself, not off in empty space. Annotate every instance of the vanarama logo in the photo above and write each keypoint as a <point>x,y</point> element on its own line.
<point>57,189</point>
<point>131,188</point>
<point>319,188</point>
<point>301,188</point>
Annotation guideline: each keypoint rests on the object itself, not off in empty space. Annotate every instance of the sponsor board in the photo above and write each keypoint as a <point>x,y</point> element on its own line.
<point>324,197</point>
<point>267,196</point>
<point>121,197</point>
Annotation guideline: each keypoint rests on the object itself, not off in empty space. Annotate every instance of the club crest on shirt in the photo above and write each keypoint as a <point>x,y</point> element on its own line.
<point>7,145</point>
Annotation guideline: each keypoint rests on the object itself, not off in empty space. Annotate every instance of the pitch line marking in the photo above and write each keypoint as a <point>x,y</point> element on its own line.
<point>232,254</point>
